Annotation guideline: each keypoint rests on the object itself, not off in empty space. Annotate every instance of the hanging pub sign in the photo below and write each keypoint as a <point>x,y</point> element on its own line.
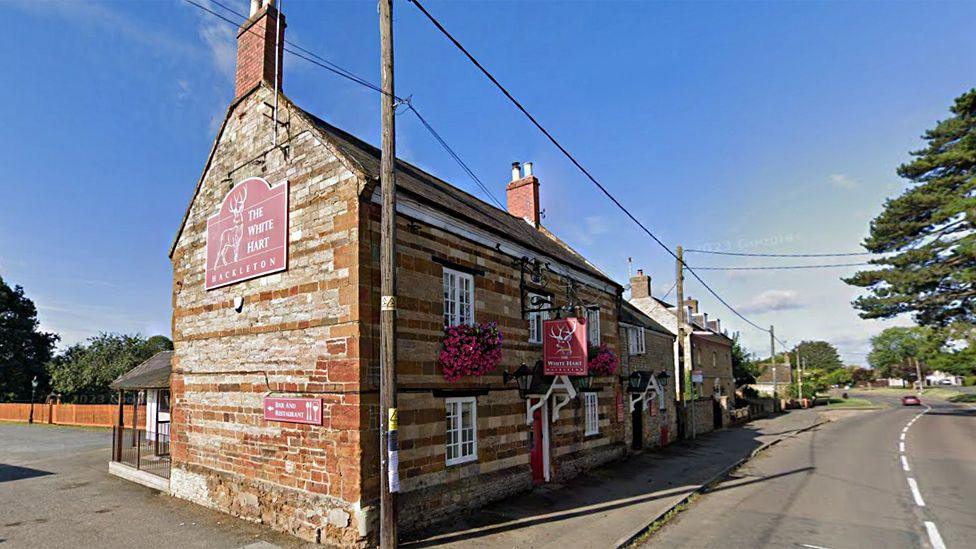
<point>293,410</point>
<point>248,237</point>
<point>564,349</point>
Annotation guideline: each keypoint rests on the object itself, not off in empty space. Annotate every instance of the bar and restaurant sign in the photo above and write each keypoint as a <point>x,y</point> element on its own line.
<point>293,410</point>
<point>248,237</point>
<point>564,349</point>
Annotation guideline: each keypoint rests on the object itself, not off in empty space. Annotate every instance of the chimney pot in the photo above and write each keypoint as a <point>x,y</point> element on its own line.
<point>527,169</point>
<point>640,285</point>
<point>259,47</point>
<point>523,194</point>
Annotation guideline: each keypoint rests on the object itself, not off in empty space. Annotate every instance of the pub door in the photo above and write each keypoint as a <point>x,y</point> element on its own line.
<point>538,446</point>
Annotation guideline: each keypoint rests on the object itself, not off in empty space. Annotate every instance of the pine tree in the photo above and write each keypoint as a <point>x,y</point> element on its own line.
<point>929,231</point>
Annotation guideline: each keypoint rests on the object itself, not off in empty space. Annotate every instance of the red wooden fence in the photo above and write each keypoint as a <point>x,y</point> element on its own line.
<point>97,415</point>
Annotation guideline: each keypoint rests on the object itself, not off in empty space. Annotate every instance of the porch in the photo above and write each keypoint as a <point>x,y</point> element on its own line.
<point>140,450</point>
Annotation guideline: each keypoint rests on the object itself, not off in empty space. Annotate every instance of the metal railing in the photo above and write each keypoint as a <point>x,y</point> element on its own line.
<point>145,450</point>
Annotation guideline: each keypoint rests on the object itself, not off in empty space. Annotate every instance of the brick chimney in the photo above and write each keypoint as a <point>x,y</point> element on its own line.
<point>256,47</point>
<point>692,304</point>
<point>640,285</point>
<point>523,194</point>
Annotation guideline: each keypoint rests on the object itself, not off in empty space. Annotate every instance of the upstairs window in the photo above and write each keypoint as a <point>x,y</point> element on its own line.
<point>635,341</point>
<point>593,326</point>
<point>462,430</point>
<point>592,411</point>
<point>458,298</point>
<point>536,318</point>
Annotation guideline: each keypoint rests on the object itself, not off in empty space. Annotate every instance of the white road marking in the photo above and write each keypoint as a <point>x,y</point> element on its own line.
<point>903,436</point>
<point>901,447</point>
<point>934,538</point>
<point>915,493</point>
<point>813,546</point>
<point>904,463</point>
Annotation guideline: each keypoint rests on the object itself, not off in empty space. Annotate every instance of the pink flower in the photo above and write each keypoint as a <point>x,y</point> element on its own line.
<point>470,350</point>
<point>603,361</point>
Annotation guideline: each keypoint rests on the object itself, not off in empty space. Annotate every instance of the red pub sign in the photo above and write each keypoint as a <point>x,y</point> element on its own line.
<point>248,237</point>
<point>564,349</point>
<point>293,410</point>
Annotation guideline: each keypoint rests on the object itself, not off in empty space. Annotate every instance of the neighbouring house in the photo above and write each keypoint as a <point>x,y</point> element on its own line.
<point>707,349</point>
<point>647,348</point>
<point>276,305</point>
<point>939,377</point>
<point>776,377</point>
<point>140,450</point>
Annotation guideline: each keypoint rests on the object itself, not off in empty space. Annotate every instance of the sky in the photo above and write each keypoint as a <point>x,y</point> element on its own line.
<point>744,126</point>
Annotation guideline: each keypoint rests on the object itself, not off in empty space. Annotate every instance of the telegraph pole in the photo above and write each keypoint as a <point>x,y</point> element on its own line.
<point>799,373</point>
<point>918,375</point>
<point>680,288</point>
<point>389,459</point>
<point>772,360</point>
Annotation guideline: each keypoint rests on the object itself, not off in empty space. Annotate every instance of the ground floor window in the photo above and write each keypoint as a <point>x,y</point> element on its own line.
<point>592,411</point>
<point>462,430</point>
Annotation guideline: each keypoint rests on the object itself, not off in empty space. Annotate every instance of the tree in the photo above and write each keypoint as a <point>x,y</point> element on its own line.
<point>840,376</point>
<point>893,350</point>
<point>928,231</point>
<point>818,355</point>
<point>744,366</point>
<point>23,347</point>
<point>86,369</point>
<point>861,376</point>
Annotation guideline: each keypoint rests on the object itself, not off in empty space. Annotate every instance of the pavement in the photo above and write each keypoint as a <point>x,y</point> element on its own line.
<point>55,491</point>
<point>846,484</point>
<point>614,504</point>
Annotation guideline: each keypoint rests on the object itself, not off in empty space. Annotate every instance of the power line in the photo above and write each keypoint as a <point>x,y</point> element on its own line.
<point>575,162</point>
<point>784,267</point>
<point>846,254</point>
<point>324,63</point>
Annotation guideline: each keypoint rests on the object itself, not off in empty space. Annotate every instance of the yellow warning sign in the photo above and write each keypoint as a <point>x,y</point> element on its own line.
<point>391,423</point>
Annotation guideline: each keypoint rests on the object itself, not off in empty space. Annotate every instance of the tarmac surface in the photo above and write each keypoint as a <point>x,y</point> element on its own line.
<point>851,483</point>
<point>55,491</point>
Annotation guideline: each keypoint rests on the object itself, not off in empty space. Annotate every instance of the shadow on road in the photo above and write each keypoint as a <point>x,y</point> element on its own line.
<point>13,472</point>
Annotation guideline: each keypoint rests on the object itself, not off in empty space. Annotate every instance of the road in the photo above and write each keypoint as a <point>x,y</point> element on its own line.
<point>846,485</point>
<point>55,491</point>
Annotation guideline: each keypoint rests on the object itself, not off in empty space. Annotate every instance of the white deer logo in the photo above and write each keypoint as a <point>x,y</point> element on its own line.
<point>230,238</point>
<point>563,339</point>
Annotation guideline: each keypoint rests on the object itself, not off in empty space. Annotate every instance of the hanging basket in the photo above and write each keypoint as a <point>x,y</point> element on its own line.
<point>470,350</point>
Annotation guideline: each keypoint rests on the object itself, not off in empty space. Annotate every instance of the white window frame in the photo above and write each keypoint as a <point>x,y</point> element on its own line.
<point>593,326</point>
<point>453,418</point>
<point>592,413</point>
<point>535,319</point>
<point>635,340</point>
<point>455,297</point>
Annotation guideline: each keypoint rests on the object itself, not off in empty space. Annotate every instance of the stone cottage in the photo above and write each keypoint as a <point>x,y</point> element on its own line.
<point>707,348</point>
<point>276,329</point>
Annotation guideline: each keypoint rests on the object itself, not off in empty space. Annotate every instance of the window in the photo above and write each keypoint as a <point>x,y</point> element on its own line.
<point>592,414</point>
<point>458,298</point>
<point>593,326</point>
<point>163,400</point>
<point>635,341</point>
<point>462,430</point>
<point>536,318</point>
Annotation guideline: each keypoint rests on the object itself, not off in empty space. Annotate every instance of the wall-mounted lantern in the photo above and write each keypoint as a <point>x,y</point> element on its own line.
<point>523,379</point>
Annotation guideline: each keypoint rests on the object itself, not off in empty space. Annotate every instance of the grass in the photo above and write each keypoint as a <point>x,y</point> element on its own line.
<point>852,402</point>
<point>963,397</point>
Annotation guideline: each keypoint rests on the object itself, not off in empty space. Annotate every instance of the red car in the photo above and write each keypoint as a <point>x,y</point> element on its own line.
<point>910,400</point>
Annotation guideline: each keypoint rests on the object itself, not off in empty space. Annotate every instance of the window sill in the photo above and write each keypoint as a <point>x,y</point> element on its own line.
<point>461,461</point>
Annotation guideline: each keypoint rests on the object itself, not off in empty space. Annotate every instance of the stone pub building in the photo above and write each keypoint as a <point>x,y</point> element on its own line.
<point>276,330</point>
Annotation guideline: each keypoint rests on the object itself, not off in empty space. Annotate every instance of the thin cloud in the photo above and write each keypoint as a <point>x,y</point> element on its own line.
<point>773,300</point>
<point>843,181</point>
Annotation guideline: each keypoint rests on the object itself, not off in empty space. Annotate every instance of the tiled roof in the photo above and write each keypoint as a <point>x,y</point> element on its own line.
<point>441,195</point>
<point>629,314</point>
<point>151,374</point>
<point>784,374</point>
